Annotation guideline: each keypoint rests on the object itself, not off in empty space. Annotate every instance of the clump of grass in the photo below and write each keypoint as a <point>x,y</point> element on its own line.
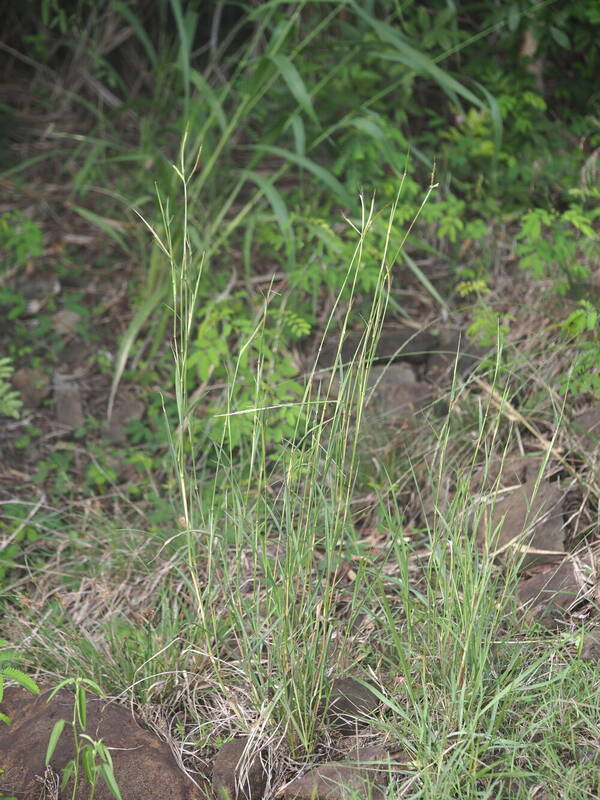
<point>249,617</point>
<point>270,543</point>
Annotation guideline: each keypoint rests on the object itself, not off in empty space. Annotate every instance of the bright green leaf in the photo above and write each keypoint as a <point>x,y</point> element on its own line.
<point>53,740</point>
<point>21,678</point>
<point>109,779</point>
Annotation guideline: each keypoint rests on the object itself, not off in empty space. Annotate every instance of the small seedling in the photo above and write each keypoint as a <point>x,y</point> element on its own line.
<point>93,757</point>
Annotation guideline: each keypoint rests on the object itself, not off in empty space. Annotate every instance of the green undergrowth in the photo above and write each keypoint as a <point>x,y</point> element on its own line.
<point>293,115</point>
<point>262,588</point>
<point>230,588</point>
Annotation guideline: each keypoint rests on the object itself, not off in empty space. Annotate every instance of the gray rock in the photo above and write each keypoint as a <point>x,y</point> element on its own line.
<point>67,401</point>
<point>393,402</point>
<point>591,646</point>
<point>454,351</point>
<point>238,771</point>
<point>367,774</point>
<point>127,407</point>
<point>396,343</point>
<point>33,384</point>
<point>503,472</point>
<point>547,596</point>
<point>65,322</point>
<point>349,703</point>
<point>530,517</point>
<point>587,426</point>
<point>394,396</point>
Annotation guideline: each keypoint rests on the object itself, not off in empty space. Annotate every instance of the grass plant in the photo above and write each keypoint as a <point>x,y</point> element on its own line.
<point>251,616</point>
<point>266,578</point>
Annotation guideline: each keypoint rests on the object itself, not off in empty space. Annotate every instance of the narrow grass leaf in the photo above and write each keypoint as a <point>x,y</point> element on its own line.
<point>299,133</point>
<point>424,65</point>
<point>88,760</point>
<point>273,196</point>
<point>4,718</point>
<point>495,115</point>
<point>58,687</point>
<point>415,59</point>
<point>108,226</point>
<point>518,684</point>
<point>110,780</point>
<point>295,84</point>
<point>93,686</point>
<point>8,655</point>
<point>388,702</point>
<point>209,96</point>
<point>23,166</point>
<point>138,29</point>
<point>186,26</point>
<point>107,773</point>
<point>66,772</point>
<point>368,126</point>
<point>80,706</point>
<point>104,753</point>
<point>319,172</point>
<point>423,279</point>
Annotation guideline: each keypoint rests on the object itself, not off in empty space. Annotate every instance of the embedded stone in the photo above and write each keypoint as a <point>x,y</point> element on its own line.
<point>144,767</point>
<point>349,703</point>
<point>238,771</point>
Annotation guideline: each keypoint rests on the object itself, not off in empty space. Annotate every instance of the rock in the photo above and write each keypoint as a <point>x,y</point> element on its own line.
<point>547,596</point>
<point>144,767</point>
<point>454,351</point>
<point>393,402</point>
<point>530,516</point>
<point>587,426</point>
<point>394,396</point>
<point>77,356</point>
<point>377,756</point>
<point>366,775</point>
<point>393,399</point>
<point>238,771</point>
<point>127,407</point>
<point>39,287</point>
<point>65,322</point>
<point>504,472</point>
<point>67,401</point>
<point>396,343</point>
<point>591,646</point>
<point>354,751</point>
<point>33,384</point>
<point>349,702</point>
